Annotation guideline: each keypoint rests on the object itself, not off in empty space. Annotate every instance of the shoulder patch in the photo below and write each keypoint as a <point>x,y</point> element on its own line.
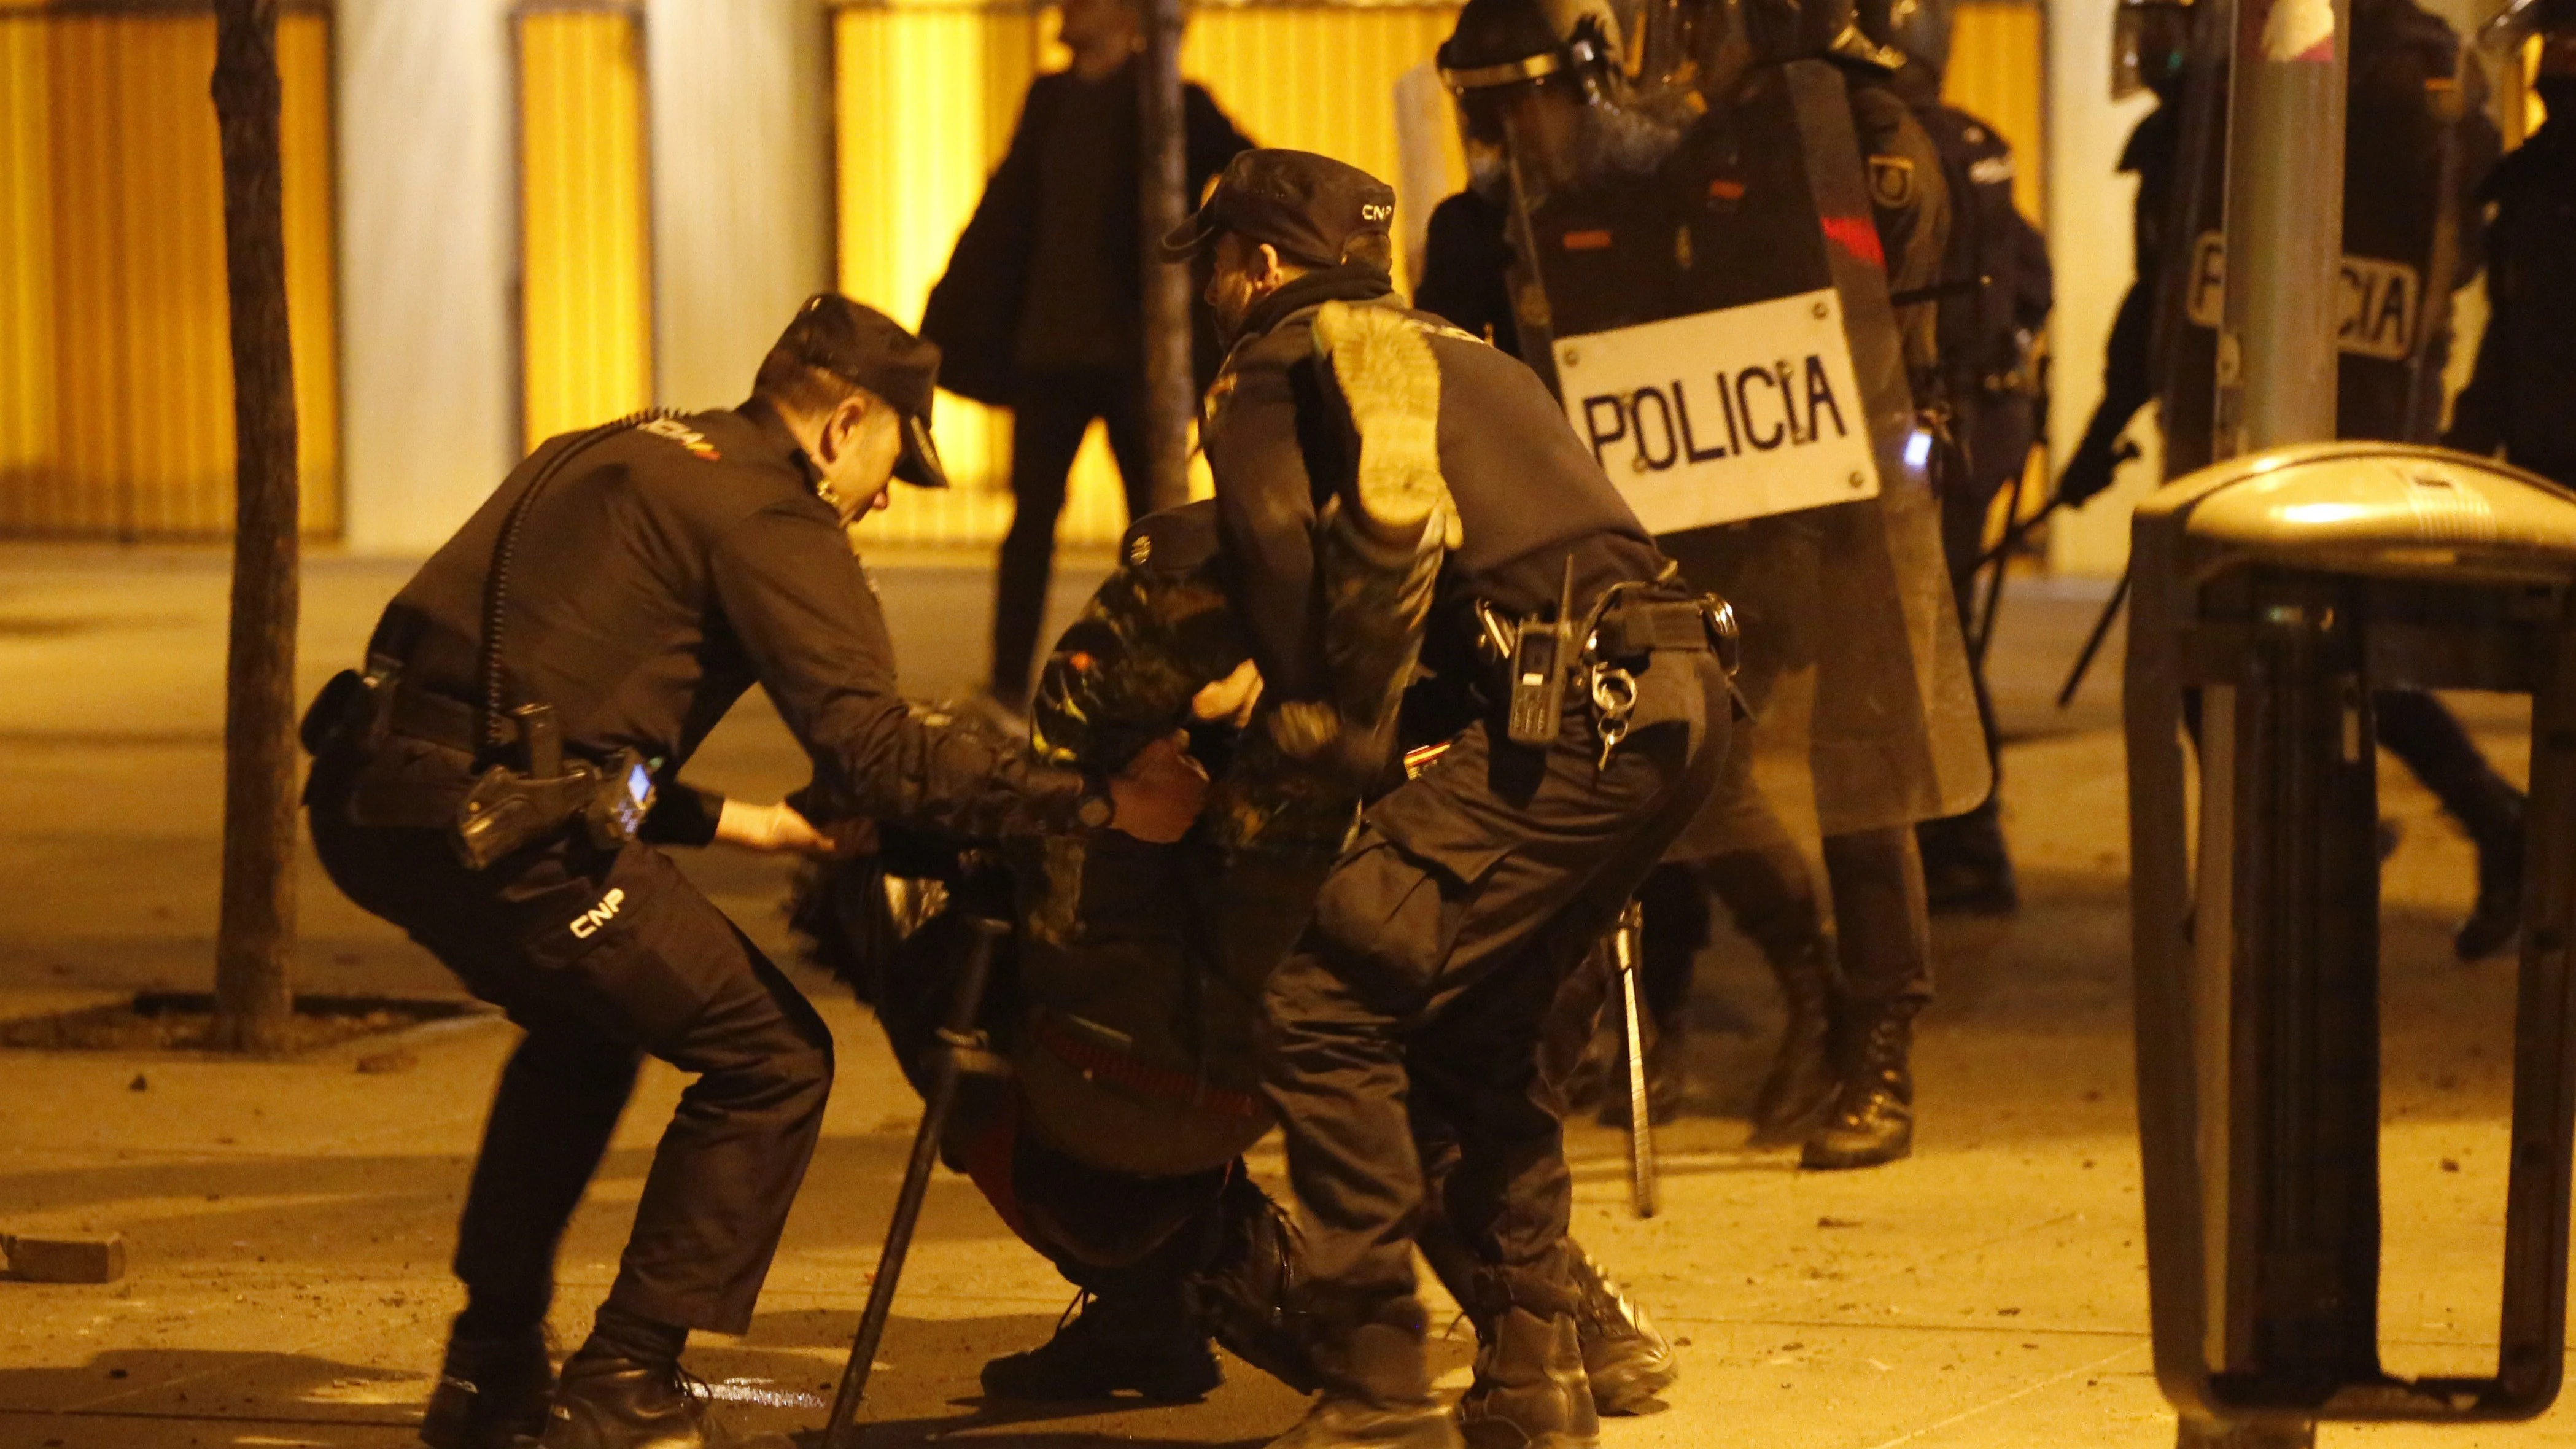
<point>1891,181</point>
<point>675,431</point>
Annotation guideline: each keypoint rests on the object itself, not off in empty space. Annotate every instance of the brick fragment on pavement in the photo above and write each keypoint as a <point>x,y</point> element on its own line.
<point>64,1257</point>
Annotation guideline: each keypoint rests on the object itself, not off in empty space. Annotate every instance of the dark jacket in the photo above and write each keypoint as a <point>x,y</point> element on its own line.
<point>974,310</point>
<point>1466,269</point>
<point>665,570</point>
<point>1528,493</point>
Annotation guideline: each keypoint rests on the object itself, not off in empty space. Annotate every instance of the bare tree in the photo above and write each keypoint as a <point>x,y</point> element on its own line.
<point>256,934</point>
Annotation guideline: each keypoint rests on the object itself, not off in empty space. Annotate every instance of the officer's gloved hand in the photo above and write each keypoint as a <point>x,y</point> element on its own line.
<point>1159,793</point>
<point>2094,467</point>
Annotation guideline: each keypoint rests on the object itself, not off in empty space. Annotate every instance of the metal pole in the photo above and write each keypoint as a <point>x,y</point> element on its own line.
<point>840,1431</point>
<point>2285,135</point>
<point>1171,390</point>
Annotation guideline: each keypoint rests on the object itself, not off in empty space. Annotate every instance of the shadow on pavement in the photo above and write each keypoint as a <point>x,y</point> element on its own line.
<point>925,1388</point>
<point>143,1396</point>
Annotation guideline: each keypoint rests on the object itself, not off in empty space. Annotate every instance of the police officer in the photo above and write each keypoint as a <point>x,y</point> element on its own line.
<point>1471,891</point>
<point>1128,996</point>
<point>2518,399</point>
<point>1995,297</point>
<point>479,785</point>
<point>2403,60</point>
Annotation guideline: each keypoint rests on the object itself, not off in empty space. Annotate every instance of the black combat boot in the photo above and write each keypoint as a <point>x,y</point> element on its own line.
<point>609,1401</point>
<point>1530,1391</point>
<point>1377,1395</point>
<point>1797,1094</point>
<point>2496,918</point>
<point>1247,1295</point>
<point>491,1392</point>
<point>1873,1120</point>
<point>1129,1342</point>
<point>1627,1361</point>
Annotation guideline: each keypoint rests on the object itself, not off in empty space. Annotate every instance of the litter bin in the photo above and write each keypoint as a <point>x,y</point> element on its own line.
<point>2274,593</point>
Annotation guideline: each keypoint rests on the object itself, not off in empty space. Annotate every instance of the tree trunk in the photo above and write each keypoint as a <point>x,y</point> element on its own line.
<point>256,934</point>
<point>1170,386</point>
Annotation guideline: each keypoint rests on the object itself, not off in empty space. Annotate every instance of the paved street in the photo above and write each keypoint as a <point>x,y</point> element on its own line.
<point>287,1221</point>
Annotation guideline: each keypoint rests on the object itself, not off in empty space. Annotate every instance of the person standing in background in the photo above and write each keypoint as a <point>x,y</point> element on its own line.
<point>1040,309</point>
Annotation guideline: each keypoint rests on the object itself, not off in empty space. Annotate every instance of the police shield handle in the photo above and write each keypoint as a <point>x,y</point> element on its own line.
<point>1160,792</point>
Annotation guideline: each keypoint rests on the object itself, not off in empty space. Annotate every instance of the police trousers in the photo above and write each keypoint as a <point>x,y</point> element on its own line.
<point>602,957</point>
<point>1437,947</point>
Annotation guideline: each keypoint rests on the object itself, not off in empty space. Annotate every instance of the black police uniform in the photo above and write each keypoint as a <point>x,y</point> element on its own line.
<point>1470,892</point>
<point>2519,398</point>
<point>665,569</point>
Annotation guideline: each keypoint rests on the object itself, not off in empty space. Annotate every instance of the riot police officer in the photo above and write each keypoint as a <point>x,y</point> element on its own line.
<point>1620,233</point>
<point>1579,713</point>
<point>529,699</point>
<point>2418,163</point>
<point>2517,400</point>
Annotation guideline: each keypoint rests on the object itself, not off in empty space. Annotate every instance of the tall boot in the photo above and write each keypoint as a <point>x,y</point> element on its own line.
<point>1377,1392</point>
<point>1873,1118</point>
<point>1530,1390</point>
<point>1797,1094</point>
<point>1772,897</point>
<point>493,1390</point>
<point>1626,1359</point>
<point>1247,1296</point>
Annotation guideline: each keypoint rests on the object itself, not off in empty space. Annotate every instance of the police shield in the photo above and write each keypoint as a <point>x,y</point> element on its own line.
<point>1721,333</point>
<point>2417,145</point>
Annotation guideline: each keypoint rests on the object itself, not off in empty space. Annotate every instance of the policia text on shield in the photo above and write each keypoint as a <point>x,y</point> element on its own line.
<point>601,611</point>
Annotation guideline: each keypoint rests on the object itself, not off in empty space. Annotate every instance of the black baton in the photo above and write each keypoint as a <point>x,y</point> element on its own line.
<point>957,1039</point>
<point>1627,944</point>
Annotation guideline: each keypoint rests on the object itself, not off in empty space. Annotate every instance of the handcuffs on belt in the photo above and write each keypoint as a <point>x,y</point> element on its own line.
<point>1544,656</point>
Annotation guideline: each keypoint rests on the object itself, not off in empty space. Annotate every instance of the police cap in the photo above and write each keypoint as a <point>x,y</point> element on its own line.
<point>1310,207</point>
<point>859,344</point>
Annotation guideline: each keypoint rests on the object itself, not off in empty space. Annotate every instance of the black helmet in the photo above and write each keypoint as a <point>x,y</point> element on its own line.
<point>1499,42</point>
<point>1920,28</point>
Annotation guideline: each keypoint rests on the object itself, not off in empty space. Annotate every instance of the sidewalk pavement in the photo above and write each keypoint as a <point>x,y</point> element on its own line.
<point>288,1222</point>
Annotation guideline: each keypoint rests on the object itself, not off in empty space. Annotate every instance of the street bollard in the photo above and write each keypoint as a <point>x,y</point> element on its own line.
<point>2278,590</point>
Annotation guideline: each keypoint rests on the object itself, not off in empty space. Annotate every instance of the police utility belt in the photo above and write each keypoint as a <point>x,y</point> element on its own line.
<point>1599,650</point>
<point>532,793</point>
